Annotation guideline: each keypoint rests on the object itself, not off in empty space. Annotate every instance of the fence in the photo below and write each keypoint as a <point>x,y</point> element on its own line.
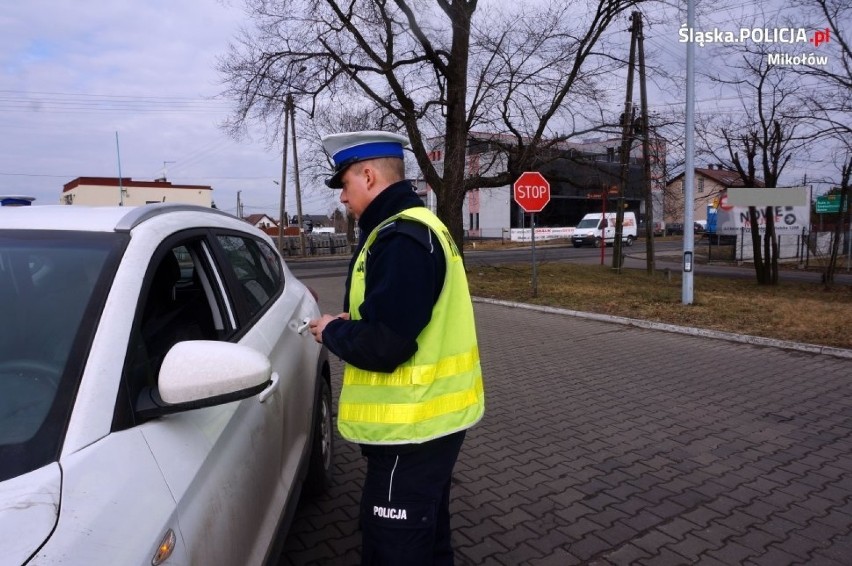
<point>808,248</point>
<point>317,245</point>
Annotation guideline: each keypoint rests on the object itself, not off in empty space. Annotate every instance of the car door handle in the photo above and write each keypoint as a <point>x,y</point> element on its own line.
<point>273,385</point>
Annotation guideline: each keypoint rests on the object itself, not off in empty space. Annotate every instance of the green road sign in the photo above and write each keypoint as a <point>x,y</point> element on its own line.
<point>828,204</point>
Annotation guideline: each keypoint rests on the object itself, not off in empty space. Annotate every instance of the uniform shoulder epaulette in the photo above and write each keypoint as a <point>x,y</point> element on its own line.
<point>388,228</point>
<point>417,231</point>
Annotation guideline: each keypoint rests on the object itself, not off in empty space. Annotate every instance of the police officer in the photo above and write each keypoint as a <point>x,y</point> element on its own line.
<point>412,382</point>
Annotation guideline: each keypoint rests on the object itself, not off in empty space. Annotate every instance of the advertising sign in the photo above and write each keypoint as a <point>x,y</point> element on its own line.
<point>788,219</point>
<point>525,234</point>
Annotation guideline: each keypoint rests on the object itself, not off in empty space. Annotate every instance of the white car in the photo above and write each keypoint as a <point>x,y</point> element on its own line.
<point>160,401</point>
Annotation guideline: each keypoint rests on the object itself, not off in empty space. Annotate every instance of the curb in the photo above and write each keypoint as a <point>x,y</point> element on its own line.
<point>716,334</point>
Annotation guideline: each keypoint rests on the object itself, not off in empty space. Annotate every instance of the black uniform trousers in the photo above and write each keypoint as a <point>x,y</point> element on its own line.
<point>405,507</point>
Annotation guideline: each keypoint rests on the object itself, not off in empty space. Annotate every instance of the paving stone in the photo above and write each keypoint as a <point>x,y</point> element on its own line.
<point>756,539</point>
<point>666,557</point>
<point>773,557</point>
<point>667,509</point>
<point>715,533</point>
<point>778,526</point>
<point>587,547</point>
<point>797,545</point>
<point>839,551</point>
<point>653,541</point>
<point>626,555</point>
<point>691,547</point>
<point>643,520</point>
<point>818,532</point>
<point>574,512</point>
<point>478,553</point>
<point>558,558</point>
<point>732,553</point>
<point>739,521</point>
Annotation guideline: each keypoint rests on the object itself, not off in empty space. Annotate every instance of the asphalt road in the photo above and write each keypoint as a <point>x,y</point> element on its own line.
<point>667,253</point>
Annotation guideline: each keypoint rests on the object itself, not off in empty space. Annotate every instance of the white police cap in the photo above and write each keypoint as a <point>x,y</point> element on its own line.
<point>351,147</point>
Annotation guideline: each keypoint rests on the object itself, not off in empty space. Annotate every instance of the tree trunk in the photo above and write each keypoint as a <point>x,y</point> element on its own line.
<point>450,212</point>
<point>843,219</point>
<point>757,253</point>
<point>771,246</point>
<point>453,188</point>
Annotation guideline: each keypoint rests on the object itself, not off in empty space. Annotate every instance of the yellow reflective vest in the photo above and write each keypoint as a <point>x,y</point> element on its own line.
<point>436,392</point>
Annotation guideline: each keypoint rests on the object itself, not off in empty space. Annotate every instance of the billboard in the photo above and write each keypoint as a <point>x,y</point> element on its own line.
<point>788,219</point>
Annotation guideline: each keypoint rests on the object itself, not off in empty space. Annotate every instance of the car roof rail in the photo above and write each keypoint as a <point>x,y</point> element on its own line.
<point>140,214</point>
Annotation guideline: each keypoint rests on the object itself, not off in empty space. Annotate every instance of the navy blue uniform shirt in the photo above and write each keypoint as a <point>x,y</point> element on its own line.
<point>405,275</point>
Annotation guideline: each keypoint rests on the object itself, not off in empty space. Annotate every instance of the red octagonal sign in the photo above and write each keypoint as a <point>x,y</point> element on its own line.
<point>532,191</point>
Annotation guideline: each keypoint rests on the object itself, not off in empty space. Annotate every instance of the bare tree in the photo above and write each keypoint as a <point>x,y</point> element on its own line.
<point>843,218</point>
<point>829,103</point>
<point>437,71</point>
<point>759,140</point>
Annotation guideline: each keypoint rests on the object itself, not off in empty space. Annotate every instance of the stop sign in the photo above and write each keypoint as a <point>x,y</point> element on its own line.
<point>532,191</point>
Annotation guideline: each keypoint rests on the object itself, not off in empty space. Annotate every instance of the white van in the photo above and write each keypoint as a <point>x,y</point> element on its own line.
<point>596,230</point>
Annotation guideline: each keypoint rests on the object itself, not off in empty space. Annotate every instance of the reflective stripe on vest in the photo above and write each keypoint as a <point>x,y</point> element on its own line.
<point>436,392</point>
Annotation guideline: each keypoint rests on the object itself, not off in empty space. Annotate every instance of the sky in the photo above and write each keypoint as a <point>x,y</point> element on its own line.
<point>88,86</point>
<point>76,74</point>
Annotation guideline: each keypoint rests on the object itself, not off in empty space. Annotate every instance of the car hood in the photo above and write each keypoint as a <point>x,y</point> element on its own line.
<point>29,508</point>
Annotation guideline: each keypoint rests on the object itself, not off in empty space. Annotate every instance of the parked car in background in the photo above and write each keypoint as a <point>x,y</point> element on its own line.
<point>158,402</point>
<point>674,229</point>
<point>659,228</point>
<point>699,226</point>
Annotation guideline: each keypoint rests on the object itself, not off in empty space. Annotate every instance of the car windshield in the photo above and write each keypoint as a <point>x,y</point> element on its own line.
<point>588,223</point>
<point>52,287</point>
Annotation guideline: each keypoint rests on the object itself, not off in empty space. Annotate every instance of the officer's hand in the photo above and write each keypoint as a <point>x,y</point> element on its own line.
<point>317,325</point>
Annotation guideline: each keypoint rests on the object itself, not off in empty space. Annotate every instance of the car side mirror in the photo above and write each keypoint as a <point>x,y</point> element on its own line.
<point>204,373</point>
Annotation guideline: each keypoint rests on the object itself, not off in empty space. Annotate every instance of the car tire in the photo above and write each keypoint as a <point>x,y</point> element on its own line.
<point>629,241</point>
<point>322,447</point>
<point>598,242</point>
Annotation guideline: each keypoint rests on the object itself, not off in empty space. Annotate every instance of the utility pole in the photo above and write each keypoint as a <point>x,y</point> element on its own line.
<point>626,144</point>
<point>239,206</point>
<point>120,181</point>
<point>283,221</point>
<point>292,108</point>
<point>165,169</point>
<point>646,153</point>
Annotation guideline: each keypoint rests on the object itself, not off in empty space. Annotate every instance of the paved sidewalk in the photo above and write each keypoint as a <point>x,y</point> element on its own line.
<point>611,444</point>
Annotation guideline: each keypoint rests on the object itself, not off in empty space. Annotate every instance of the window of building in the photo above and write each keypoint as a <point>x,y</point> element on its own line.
<point>473,221</point>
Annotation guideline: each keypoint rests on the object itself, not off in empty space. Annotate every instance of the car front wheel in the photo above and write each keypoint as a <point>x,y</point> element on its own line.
<point>629,241</point>
<point>322,449</point>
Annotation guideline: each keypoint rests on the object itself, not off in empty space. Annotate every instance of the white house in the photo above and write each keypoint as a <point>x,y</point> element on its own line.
<point>262,221</point>
<point>112,191</point>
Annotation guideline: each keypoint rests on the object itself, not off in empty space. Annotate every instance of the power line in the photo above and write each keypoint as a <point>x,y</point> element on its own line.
<point>92,95</point>
<point>65,102</point>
